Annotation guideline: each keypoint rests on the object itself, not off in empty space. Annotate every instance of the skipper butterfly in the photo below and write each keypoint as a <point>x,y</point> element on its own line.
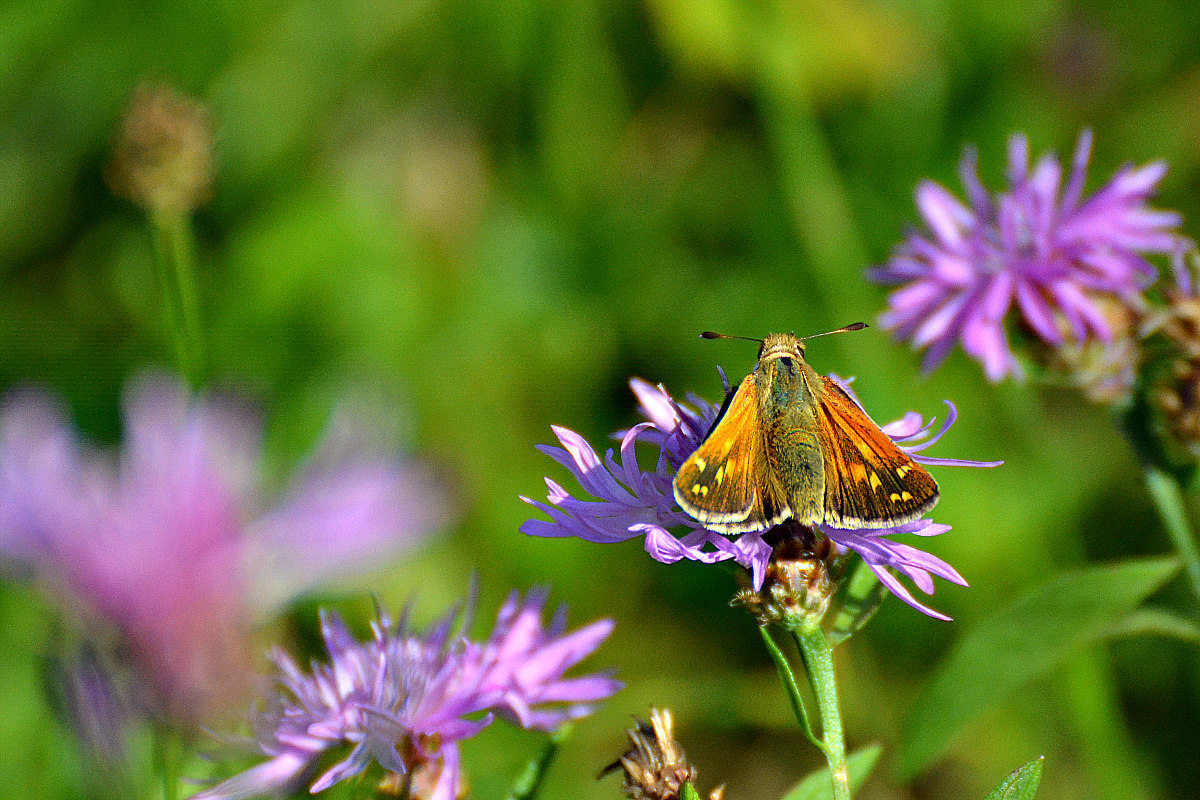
<point>789,443</point>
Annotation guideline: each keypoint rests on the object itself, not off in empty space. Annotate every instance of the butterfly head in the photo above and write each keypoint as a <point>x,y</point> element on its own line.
<point>781,345</point>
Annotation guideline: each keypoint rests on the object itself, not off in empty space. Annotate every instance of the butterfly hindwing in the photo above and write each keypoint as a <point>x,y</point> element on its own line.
<point>869,481</point>
<point>723,485</point>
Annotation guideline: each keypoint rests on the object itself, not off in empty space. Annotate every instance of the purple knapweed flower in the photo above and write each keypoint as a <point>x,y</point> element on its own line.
<point>405,700</point>
<point>171,540</point>
<point>1038,246</point>
<point>636,502</point>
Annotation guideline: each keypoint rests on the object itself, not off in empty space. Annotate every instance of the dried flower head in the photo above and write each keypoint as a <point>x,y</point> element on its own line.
<point>655,766</point>
<point>635,502</point>
<point>1038,247</point>
<point>163,157</point>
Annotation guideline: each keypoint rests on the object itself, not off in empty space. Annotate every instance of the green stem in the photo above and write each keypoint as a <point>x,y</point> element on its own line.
<point>818,659</point>
<point>174,263</point>
<point>791,687</point>
<point>167,756</point>
<point>530,780</point>
<point>1168,501</point>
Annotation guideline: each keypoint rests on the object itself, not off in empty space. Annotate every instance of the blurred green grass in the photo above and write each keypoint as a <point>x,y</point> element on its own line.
<point>500,211</point>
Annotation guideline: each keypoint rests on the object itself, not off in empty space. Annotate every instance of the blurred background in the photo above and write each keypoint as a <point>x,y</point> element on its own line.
<point>498,211</point>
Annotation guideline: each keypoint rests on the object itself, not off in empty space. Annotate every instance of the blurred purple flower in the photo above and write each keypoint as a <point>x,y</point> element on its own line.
<point>636,502</point>
<point>168,538</point>
<point>405,700</point>
<point>1053,255</point>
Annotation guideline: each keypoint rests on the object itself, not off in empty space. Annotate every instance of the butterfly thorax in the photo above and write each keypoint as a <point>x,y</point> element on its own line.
<point>780,378</point>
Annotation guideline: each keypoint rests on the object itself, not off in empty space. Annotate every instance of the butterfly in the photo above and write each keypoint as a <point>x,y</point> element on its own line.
<point>789,443</point>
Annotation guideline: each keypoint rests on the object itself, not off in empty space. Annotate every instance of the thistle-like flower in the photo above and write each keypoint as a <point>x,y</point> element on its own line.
<point>1038,247</point>
<point>634,502</point>
<point>404,700</point>
<point>170,540</point>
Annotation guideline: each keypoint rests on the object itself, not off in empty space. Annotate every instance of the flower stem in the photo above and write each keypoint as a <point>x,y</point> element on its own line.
<point>818,659</point>
<point>791,687</point>
<point>174,262</point>
<point>530,780</point>
<point>1168,501</point>
<point>167,758</point>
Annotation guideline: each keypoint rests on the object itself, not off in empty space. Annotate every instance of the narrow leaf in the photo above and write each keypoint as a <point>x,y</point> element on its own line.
<point>529,782</point>
<point>1022,784</point>
<point>688,792</point>
<point>1154,622</point>
<point>1020,643</point>
<point>818,785</point>
<point>856,603</point>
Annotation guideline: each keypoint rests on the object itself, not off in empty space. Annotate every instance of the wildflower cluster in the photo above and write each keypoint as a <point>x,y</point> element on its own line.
<point>404,700</point>
<point>635,502</point>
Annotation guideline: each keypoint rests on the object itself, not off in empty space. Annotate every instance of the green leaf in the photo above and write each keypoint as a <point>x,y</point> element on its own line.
<point>1022,784</point>
<point>1023,642</point>
<point>529,782</point>
<point>818,785</point>
<point>1154,622</point>
<point>688,792</point>
<point>856,604</point>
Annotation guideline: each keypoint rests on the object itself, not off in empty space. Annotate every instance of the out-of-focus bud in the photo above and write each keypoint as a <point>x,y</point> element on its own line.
<point>163,155</point>
<point>1105,371</point>
<point>1175,385</point>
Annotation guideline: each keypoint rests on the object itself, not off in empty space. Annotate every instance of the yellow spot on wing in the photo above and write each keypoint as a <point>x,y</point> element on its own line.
<point>701,464</point>
<point>905,496</point>
<point>720,474</point>
<point>875,482</point>
<point>904,470</point>
<point>895,498</point>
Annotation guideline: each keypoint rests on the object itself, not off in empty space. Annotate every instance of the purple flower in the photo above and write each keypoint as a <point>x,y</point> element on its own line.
<point>170,539</point>
<point>404,700</point>
<point>634,502</point>
<point>1052,254</point>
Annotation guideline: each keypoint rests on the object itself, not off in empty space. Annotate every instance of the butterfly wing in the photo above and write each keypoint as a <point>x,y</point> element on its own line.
<point>724,485</point>
<point>869,481</point>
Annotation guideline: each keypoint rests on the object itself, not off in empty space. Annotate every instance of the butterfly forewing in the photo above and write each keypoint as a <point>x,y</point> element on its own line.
<point>869,481</point>
<point>723,485</point>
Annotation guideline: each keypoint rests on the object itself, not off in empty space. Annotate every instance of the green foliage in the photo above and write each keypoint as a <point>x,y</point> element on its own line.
<point>497,211</point>
<point>1022,642</point>
<point>818,786</point>
<point>1022,784</point>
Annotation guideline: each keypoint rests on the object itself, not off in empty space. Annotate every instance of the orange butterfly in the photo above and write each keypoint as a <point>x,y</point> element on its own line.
<point>790,443</point>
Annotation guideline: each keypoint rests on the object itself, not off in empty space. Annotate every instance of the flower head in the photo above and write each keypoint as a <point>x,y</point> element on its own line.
<point>655,766</point>
<point>163,157</point>
<point>1039,247</point>
<point>404,699</point>
<point>170,539</point>
<point>633,502</point>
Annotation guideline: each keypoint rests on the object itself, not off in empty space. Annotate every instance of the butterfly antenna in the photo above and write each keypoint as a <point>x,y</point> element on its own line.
<point>712,335</point>
<point>858,326</point>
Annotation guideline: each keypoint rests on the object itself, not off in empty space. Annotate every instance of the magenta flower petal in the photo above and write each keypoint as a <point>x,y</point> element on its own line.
<point>1028,249</point>
<point>404,699</point>
<point>171,540</point>
<point>641,502</point>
